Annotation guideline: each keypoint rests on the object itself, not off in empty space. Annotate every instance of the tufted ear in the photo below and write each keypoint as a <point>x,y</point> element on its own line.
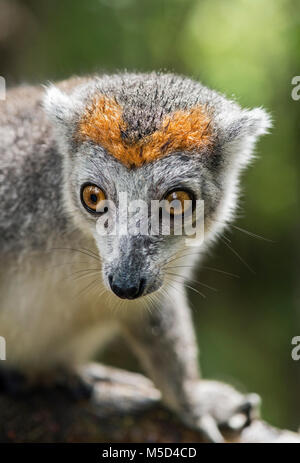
<point>58,105</point>
<point>63,109</point>
<point>240,124</point>
<point>238,130</point>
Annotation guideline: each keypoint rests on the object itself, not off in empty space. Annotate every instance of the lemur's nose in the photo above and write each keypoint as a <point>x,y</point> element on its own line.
<point>126,290</point>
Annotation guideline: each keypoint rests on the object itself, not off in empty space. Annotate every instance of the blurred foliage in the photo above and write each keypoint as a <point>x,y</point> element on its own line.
<point>248,49</point>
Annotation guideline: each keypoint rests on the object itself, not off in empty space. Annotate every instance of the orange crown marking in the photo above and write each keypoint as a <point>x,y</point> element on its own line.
<point>181,130</point>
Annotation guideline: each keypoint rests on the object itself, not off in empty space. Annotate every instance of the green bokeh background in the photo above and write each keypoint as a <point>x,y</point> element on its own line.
<point>247,49</point>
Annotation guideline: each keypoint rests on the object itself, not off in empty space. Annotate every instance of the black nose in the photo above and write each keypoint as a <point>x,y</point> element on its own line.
<point>127,290</point>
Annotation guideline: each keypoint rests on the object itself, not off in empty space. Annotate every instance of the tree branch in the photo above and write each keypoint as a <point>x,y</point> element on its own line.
<point>126,408</point>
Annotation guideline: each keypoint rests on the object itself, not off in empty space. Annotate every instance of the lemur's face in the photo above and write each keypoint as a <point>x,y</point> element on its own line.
<point>149,138</point>
<point>134,263</point>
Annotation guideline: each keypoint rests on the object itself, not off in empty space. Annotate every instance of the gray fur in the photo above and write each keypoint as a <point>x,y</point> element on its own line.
<point>42,169</point>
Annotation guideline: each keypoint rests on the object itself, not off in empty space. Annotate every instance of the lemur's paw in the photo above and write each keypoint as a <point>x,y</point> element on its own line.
<point>118,391</point>
<point>216,406</point>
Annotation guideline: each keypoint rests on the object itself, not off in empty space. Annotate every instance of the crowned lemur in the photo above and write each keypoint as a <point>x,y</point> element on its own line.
<point>65,287</point>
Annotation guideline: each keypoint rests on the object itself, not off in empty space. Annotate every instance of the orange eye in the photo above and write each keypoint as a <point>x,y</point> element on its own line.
<point>176,200</point>
<point>91,197</point>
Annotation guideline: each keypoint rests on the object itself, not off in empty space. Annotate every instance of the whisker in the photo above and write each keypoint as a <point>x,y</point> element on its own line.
<point>247,232</point>
<point>195,290</point>
<point>87,270</point>
<point>87,288</point>
<point>150,304</point>
<point>226,238</point>
<point>81,273</point>
<point>93,253</point>
<point>183,255</point>
<point>253,235</point>
<point>77,250</point>
<point>194,281</point>
<point>68,263</point>
<point>213,269</point>
<point>190,287</point>
<point>80,277</point>
<point>238,256</point>
<point>167,294</point>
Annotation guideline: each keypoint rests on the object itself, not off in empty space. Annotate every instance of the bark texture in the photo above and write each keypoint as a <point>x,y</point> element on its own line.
<point>126,408</point>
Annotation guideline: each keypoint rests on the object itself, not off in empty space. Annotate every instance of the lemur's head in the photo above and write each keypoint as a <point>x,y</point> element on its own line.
<point>149,137</point>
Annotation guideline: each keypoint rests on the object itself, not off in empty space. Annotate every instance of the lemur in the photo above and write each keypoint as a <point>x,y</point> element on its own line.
<point>64,149</point>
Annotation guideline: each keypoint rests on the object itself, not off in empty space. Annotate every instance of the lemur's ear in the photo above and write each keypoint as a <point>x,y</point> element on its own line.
<point>244,124</point>
<point>62,109</point>
<point>238,131</point>
<point>57,105</point>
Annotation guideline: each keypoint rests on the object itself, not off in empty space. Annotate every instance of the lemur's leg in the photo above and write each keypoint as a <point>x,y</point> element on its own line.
<point>165,343</point>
